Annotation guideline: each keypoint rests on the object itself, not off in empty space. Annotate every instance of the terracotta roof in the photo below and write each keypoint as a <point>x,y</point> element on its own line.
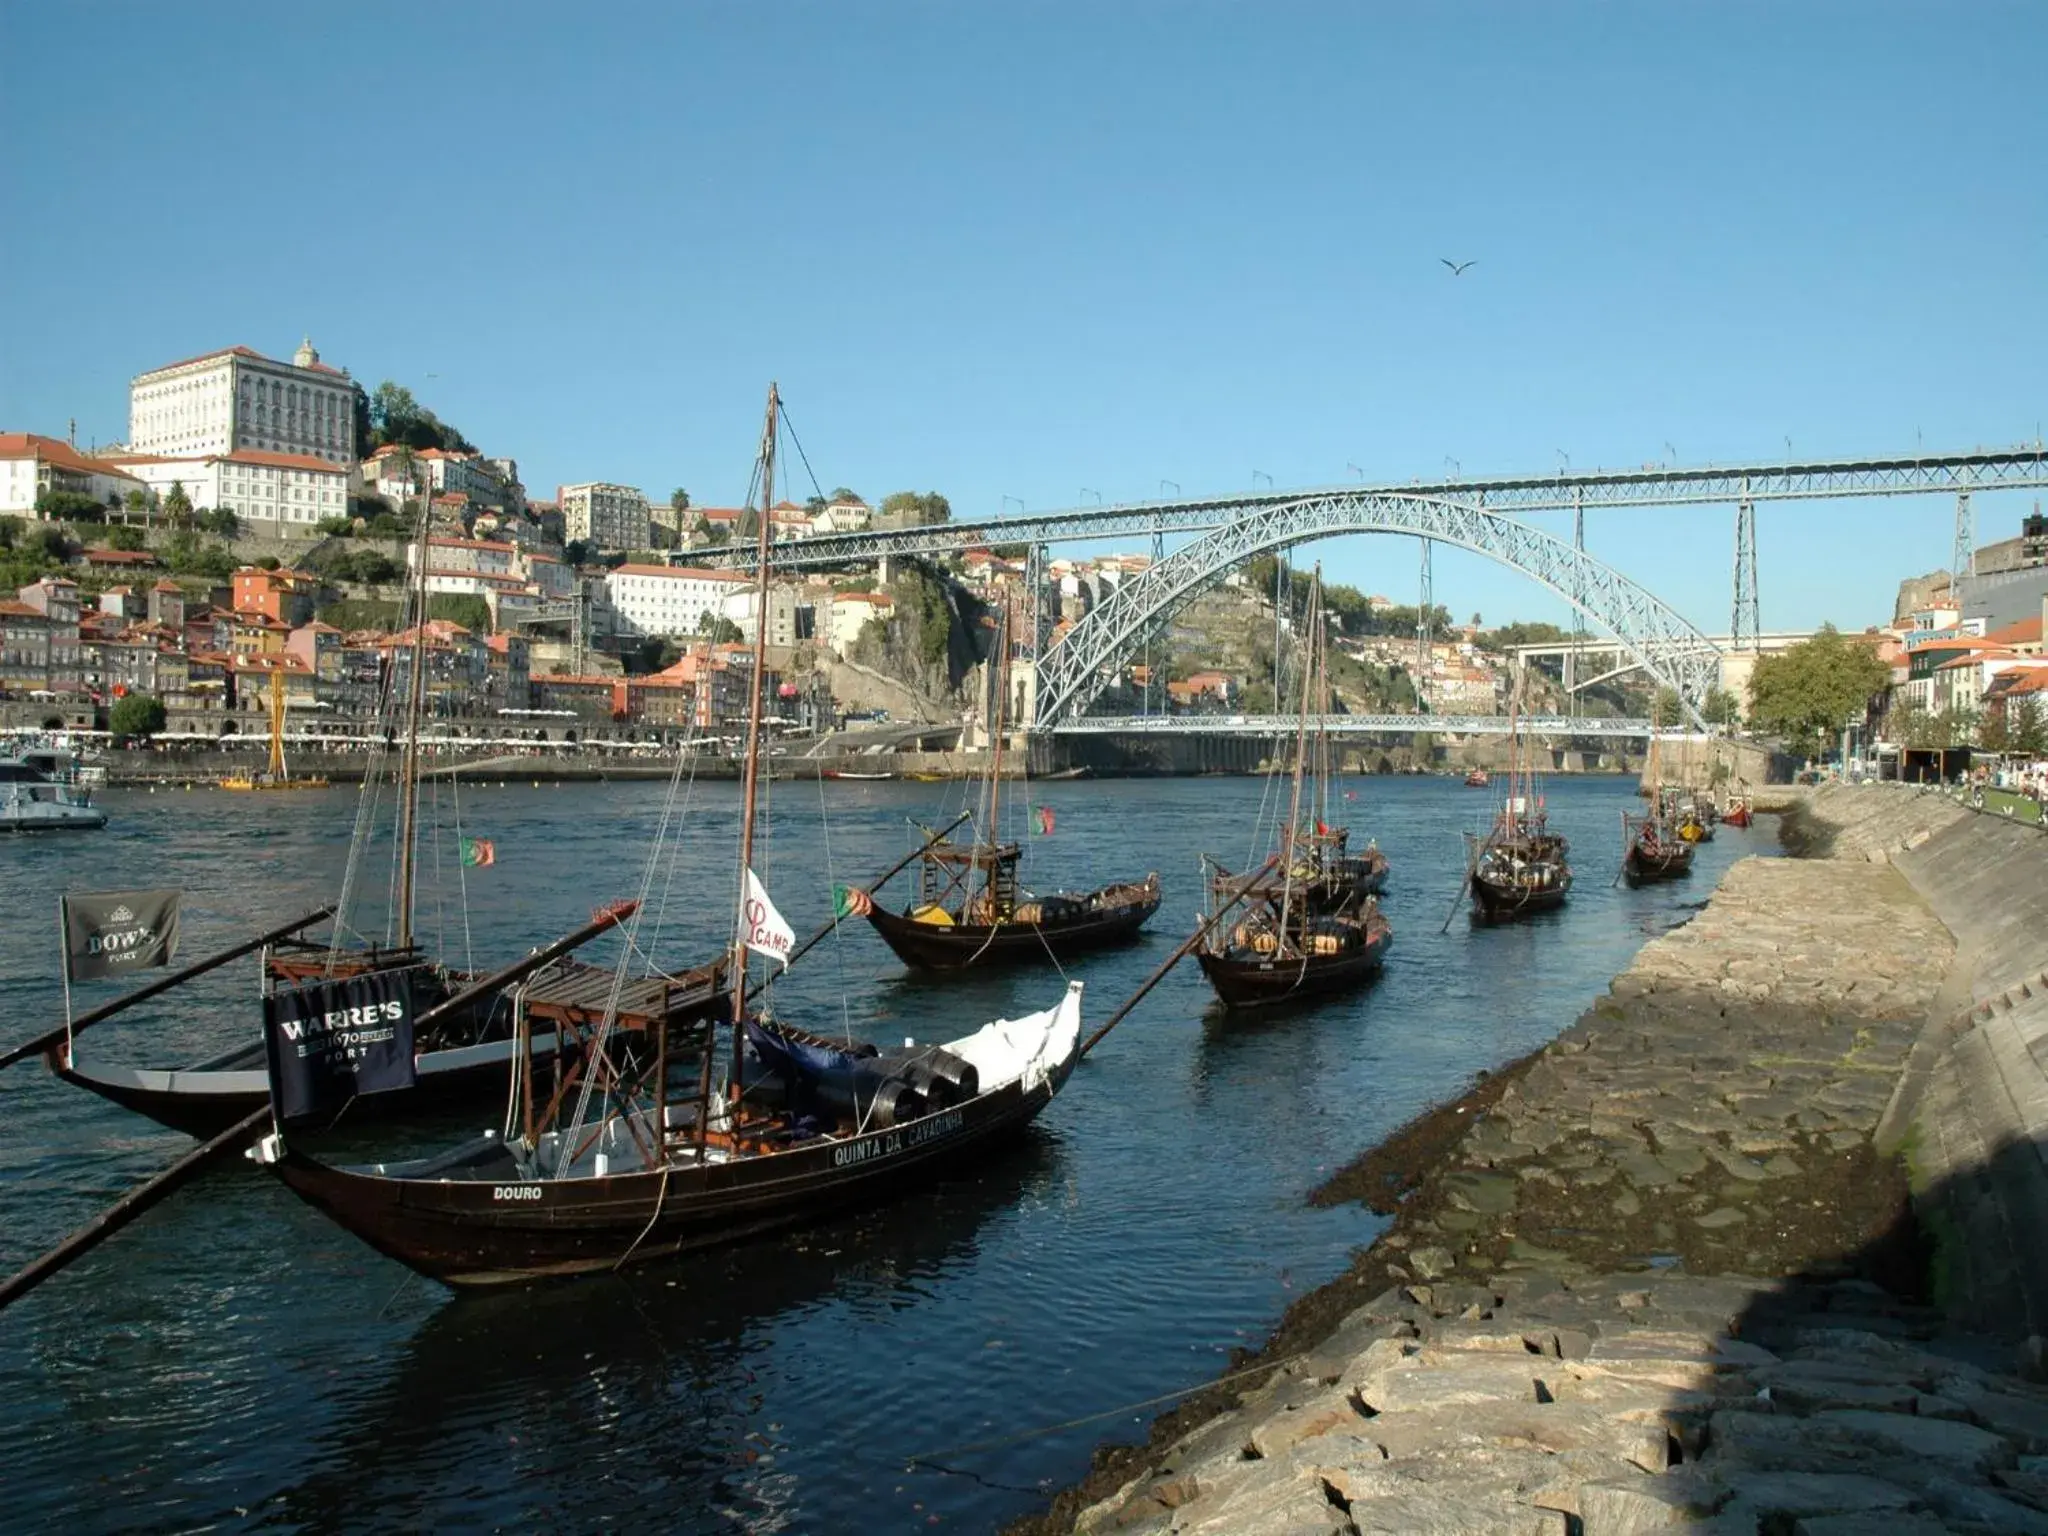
<point>14,610</point>
<point>168,585</point>
<point>120,557</point>
<point>278,460</point>
<point>54,450</point>
<point>472,543</point>
<point>2025,632</point>
<point>203,357</point>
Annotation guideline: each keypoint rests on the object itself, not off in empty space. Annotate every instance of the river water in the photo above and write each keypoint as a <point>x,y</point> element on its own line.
<point>235,1362</point>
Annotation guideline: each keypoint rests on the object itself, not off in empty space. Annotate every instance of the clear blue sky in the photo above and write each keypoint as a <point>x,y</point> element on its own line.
<point>1020,249</point>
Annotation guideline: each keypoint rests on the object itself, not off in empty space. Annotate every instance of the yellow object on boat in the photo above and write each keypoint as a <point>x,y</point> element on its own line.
<point>937,917</point>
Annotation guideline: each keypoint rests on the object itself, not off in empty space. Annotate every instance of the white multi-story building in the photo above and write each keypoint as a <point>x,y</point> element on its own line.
<point>236,399</point>
<point>449,474</point>
<point>484,557</point>
<point>668,599</point>
<point>31,464</point>
<point>608,516</point>
<point>291,492</point>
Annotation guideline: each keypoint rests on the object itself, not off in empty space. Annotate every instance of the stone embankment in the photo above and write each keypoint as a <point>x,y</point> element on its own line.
<point>1971,1117</point>
<point>1660,1275</point>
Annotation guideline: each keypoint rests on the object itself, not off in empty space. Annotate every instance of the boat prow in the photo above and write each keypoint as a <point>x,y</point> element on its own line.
<point>1047,927</point>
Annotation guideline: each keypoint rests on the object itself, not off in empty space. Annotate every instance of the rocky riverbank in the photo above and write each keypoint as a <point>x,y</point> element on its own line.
<point>1656,1276</point>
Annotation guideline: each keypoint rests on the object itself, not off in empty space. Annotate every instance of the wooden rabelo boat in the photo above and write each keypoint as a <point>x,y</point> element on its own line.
<point>1652,851</point>
<point>1738,813</point>
<point>1520,867</point>
<point>1652,848</point>
<point>462,1052</point>
<point>773,1125</point>
<point>1312,926</point>
<point>970,909</point>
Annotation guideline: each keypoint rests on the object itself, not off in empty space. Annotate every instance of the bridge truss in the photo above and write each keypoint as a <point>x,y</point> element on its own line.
<point>1351,725</point>
<point>2018,468</point>
<point>1073,672</point>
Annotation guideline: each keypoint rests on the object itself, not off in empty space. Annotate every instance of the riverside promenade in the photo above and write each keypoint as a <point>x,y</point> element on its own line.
<point>1756,1245</point>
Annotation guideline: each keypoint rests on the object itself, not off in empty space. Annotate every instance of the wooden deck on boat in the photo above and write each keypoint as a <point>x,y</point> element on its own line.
<point>573,992</point>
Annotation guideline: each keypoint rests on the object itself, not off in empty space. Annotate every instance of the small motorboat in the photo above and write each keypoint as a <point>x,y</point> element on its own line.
<point>1478,778</point>
<point>40,793</point>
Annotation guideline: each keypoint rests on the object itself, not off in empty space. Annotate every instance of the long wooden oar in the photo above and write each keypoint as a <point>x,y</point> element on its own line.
<point>154,1190</point>
<point>1244,889</point>
<point>872,886</point>
<point>1471,868</point>
<point>158,987</point>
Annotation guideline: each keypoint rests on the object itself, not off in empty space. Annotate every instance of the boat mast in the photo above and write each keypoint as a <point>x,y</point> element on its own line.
<point>277,722</point>
<point>752,773</point>
<point>408,769</point>
<point>1300,760</point>
<point>1001,672</point>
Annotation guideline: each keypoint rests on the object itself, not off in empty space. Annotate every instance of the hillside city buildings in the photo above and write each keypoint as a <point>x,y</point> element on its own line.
<point>634,636</point>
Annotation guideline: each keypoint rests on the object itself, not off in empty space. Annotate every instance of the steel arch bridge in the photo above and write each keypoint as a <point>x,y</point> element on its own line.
<point>1072,673</point>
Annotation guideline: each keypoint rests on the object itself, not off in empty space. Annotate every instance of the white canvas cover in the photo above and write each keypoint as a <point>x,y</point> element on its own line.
<point>1030,1048</point>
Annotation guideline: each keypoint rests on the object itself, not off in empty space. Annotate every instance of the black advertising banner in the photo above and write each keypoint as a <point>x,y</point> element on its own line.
<point>332,1040</point>
<point>110,933</point>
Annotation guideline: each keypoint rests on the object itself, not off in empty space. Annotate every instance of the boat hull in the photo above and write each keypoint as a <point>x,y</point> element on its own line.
<point>491,1227</point>
<point>1639,867</point>
<point>1253,983</point>
<point>1496,903</point>
<point>931,947</point>
<point>204,1101</point>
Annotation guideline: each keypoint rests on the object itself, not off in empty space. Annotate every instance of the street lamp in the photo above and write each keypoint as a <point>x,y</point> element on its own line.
<point>1566,469</point>
<point>1354,469</point>
<point>1174,483</point>
<point>1670,453</point>
<point>1009,499</point>
<point>1260,474</point>
<point>1456,468</point>
<point>1096,494</point>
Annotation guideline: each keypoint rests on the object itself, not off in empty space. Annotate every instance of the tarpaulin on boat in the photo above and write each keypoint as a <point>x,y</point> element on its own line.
<point>330,1041</point>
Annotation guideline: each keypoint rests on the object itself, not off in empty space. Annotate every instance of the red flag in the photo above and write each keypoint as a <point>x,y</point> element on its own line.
<point>1045,820</point>
<point>1322,829</point>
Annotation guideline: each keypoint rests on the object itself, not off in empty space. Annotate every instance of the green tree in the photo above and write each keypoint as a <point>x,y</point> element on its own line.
<point>177,506</point>
<point>1666,708</point>
<point>718,629</point>
<point>1721,707</point>
<point>135,502</point>
<point>1809,693</point>
<point>657,653</point>
<point>844,493</point>
<point>464,608</point>
<point>336,527</point>
<point>679,499</point>
<point>912,509</point>
<point>137,714</point>
<point>2026,725</point>
<point>70,506</point>
<point>124,538</point>
<point>220,520</point>
<point>578,552</point>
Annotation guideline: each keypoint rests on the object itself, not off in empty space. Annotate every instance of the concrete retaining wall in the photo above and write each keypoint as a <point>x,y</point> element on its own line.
<point>1971,1113</point>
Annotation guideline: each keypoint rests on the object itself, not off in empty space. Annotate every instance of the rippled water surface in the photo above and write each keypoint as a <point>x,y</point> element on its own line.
<point>235,1362</point>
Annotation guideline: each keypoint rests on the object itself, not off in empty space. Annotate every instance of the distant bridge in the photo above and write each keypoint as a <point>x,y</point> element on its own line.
<point>1917,474</point>
<point>1347,725</point>
<point>1235,528</point>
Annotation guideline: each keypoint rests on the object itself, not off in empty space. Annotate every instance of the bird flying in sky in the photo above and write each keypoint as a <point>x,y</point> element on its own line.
<point>1456,267</point>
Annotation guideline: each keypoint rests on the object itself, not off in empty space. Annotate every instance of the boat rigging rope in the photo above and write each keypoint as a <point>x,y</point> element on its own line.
<point>832,884</point>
